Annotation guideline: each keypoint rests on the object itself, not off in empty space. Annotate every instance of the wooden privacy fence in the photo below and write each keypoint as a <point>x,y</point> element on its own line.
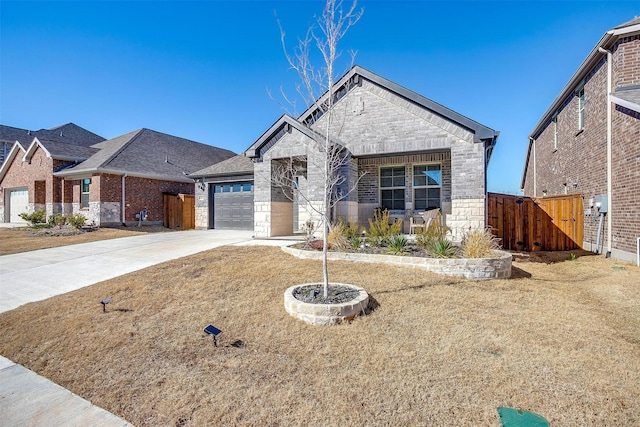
<point>179,211</point>
<point>536,224</point>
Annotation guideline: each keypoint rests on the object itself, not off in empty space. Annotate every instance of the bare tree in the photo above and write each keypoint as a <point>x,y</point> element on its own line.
<point>316,88</point>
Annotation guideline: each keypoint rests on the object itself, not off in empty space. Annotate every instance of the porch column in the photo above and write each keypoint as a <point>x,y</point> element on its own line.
<point>467,188</point>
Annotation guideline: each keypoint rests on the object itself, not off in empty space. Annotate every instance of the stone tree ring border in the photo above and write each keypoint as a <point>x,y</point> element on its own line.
<point>325,314</point>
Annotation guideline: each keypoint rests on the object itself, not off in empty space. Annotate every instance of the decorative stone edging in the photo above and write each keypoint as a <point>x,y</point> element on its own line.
<point>470,268</point>
<point>325,314</point>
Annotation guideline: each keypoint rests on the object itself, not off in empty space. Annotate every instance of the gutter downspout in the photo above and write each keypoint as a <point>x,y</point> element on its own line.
<point>535,178</point>
<point>609,183</point>
<point>123,198</point>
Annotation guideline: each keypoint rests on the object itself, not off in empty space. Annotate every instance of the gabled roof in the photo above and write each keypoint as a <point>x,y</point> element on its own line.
<point>16,149</point>
<point>607,41</point>
<point>481,133</point>
<point>69,133</point>
<point>284,124</point>
<point>237,165</point>
<point>59,150</point>
<point>149,154</point>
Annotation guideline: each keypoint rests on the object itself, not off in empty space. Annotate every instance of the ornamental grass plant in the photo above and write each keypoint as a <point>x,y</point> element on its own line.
<point>480,243</point>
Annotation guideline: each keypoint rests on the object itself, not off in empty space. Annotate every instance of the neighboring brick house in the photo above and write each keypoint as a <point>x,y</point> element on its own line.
<point>26,176</point>
<point>411,153</point>
<point>111,181</point>
<point>69,133</point>
<point>588,142</point>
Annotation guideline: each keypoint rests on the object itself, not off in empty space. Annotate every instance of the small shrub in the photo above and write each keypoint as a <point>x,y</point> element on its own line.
<point>353,230</point>
<point>441,248</point>
<point>572,257</point>
<point>57,220</point>
<point>356,242</point>
<point>479,244</point>
<point>380,230</point>
<point>37,217</point>
<point>76,220</point>
<point>397,244</point>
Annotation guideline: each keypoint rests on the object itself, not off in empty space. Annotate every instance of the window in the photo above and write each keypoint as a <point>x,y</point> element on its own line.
<point>581,109</point>
<point>427,183</point>
<point>392,188</point>
<point>84,193</point>
<point>555,133</point>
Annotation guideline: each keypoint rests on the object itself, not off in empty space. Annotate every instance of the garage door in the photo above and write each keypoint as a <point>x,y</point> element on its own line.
<point>18,203</point>
<point>233,206</point>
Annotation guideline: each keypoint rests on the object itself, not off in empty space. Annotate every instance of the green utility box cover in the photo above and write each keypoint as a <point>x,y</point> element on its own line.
<point>510,417</point>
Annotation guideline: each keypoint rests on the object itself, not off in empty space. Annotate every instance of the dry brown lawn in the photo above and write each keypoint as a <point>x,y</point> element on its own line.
<point>560,339</point>
<point>24,239</point>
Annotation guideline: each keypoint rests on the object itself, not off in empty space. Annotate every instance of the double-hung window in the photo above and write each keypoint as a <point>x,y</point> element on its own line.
<point>581,109</point>
<point>84,193</point>
<point>427,186</point>
<point>392,187</point>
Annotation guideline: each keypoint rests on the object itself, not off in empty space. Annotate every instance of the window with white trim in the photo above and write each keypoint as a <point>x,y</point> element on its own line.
<point>84,193</point>
<point>392,186</point>
<point>555,133</point>
<point>427,186</point>
<point>581,109</point>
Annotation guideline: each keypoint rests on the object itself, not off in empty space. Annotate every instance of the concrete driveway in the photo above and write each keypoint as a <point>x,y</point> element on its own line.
<point>27,399</point>
<point>37,275</point>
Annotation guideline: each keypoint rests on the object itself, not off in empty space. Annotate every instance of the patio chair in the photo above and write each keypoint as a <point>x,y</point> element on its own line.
<point>429,216</point>
<point>416,221</point>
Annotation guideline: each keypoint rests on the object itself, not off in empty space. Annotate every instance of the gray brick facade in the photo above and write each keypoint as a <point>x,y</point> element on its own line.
<point>379,124</point>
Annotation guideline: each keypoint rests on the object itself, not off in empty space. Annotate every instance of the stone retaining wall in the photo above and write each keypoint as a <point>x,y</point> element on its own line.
<point>470,268</point>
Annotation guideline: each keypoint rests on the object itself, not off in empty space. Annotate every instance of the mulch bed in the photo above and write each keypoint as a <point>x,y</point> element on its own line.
<point>314,294</point>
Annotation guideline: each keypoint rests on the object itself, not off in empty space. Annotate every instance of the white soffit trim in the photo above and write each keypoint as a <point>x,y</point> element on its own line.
<point>625,30</point>
<point>32,148</point>
<point>624,103</point>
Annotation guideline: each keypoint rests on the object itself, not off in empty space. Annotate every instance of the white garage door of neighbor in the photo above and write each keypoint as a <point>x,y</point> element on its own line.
<point>18,203</point>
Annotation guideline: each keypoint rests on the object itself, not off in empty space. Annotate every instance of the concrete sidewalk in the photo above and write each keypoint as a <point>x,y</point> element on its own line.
<point>27,399</point>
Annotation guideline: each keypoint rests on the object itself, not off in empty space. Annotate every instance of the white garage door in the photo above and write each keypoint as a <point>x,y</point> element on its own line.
<point>233,206</point>
<point>18,203</point>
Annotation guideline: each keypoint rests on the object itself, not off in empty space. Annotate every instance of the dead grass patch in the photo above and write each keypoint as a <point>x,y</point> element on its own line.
<point>561,340</point>
<point>25,239</point>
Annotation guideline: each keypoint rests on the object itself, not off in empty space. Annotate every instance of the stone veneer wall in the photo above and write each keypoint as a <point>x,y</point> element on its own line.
<point>466,215</point>
<point>498,267</point>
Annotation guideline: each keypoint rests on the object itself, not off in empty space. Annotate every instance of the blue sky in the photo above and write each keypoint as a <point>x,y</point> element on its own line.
<point>202,69</point>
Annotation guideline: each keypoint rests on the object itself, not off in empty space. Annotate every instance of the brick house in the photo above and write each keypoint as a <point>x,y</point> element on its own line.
<point>405,153</point>
<point>588,142</point>
<point>26,174</point>
<point>109,182</point>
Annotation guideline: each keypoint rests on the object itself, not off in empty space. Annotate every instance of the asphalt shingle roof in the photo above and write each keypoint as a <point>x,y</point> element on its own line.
<point>237,165</point>
<point>59,150</point>
<point>69,133</point>
<point>152,154</point>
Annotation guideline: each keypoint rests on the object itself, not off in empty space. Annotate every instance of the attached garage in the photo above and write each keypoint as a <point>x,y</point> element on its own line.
<point>18,203</point>
<point>224,195</point>
<point>232,205</point>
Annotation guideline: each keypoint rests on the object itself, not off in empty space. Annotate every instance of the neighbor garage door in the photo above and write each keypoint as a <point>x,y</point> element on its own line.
<point>18,203</point>
<point>233,206</point>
